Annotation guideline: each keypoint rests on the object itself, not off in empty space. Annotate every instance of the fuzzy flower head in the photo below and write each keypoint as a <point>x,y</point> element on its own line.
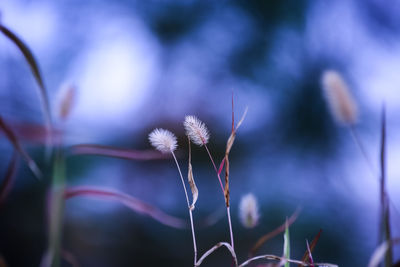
<point>248,211</point>
<point>163,140</point>
<point>196,130</point>
<point>338,97</point>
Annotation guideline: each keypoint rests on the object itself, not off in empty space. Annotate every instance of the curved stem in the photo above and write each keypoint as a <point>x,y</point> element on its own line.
<point>230,226</point>
<point>190,211</point>
<point>214,248</point>
<point>282,259</point>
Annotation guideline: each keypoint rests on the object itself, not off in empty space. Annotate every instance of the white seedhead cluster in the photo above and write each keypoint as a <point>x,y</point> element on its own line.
<point>196,130</point>
<point>163,140</point>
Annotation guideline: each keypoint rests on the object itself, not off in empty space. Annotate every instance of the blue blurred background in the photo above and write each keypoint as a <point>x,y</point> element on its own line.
<point>138,65</point>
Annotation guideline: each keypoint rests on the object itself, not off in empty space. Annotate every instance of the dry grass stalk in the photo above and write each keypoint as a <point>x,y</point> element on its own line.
<point>165,141</point>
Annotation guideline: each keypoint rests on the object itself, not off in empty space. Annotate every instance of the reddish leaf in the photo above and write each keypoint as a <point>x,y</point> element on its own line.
<point>129,201</point>
<point>221,166</point>
<point>108,151</point>
<point>34,133</point>
<point>307,254</point>
<point>30,59</point>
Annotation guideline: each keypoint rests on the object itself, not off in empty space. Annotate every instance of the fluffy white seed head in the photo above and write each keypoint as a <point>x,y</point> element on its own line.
<point>196,130</point>
<point>337,94</point>
<point>248,211</point>
<point>163,140</point>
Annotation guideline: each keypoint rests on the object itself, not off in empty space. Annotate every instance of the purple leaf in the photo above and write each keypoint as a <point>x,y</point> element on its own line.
<point>127,200</point>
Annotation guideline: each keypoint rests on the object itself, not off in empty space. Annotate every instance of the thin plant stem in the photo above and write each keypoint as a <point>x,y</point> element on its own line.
<point>228,213</point>
<point>214,248</point>
<point>374,172</point>
<point>282,259</point>
<point>190,211</point>
<point>357,140</point>
<point>230,226</point>
<point>215,168</point>
<point>384,199</point>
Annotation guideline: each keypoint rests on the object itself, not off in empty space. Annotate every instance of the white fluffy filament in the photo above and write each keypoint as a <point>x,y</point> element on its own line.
<point>163,140</point>
<point>196,130</point>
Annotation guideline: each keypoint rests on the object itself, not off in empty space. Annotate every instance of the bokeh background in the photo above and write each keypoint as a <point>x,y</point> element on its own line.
<point>138,65</point>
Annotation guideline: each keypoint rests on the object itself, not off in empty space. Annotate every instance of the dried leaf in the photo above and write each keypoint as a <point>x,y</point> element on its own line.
<point>310,254</point>
<point>193,187</point>
<point>242,119</point>
<point>307,254</point>
<point>9,179</point>
<point>226,189</point>
<point>129,201</point>
<point>108,151</point>
<point>275,232</point>
<point>30,59</point>
<point>229,145</point>
<point>17,145</point>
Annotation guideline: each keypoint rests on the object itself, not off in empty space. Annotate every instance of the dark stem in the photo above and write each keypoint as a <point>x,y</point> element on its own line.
<point>385,223</point>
